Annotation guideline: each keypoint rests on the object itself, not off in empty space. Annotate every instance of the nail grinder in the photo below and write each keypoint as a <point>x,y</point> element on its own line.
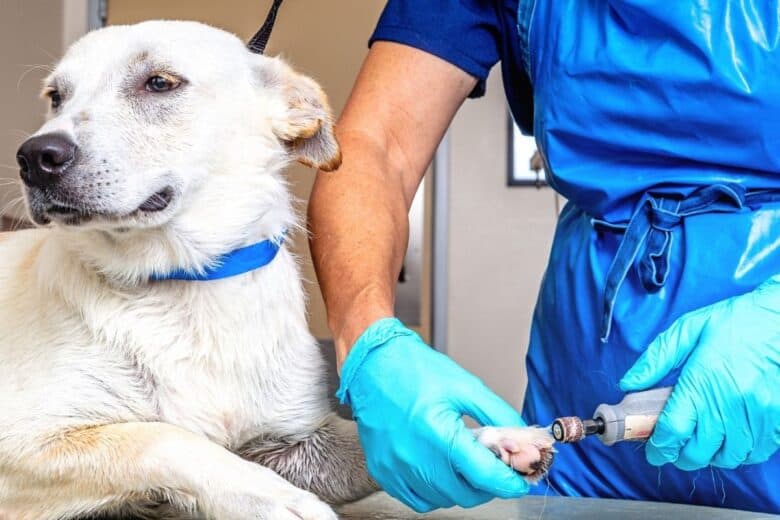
<point>632,419</point>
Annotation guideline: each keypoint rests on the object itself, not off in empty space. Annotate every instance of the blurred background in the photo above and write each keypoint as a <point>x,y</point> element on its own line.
<point>481,227</point>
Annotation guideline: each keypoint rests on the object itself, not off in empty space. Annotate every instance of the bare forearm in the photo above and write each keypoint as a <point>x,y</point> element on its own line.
<point>400,107</point>
<point>359,226</point>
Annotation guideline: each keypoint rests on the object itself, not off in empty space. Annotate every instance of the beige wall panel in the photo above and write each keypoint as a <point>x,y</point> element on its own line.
<point>499,243</point>
<point>31,40</point>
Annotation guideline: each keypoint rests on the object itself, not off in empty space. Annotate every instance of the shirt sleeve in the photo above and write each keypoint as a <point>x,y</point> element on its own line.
<point>465,33</point>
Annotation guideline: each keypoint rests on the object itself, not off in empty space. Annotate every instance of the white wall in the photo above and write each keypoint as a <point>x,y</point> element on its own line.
<point>499,240</point>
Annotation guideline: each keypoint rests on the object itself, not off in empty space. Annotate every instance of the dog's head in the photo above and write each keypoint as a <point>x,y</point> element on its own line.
<point>170,125</point>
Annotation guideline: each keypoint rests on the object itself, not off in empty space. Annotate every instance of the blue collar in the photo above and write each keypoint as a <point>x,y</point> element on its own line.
<point>238,261</point>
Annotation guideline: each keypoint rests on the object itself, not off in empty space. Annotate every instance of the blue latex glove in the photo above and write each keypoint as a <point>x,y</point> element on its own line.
<point>408,401</point>
<point>725,407</point>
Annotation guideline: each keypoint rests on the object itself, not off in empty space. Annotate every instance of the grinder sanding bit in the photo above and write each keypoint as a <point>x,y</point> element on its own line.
<point>573,429</point>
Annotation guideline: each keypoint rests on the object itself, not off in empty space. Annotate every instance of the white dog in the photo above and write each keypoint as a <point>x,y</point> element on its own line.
<point>122,391</point>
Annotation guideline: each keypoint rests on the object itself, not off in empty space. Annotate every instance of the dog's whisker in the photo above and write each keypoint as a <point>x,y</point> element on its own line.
<point>12,204</point>
<point>42,66</point>
<point>30,68</point>
<point>18,224</point>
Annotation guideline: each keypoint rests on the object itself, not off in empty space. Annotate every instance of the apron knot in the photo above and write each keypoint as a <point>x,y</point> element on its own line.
<point>648,235</point>
<point>664,220</point>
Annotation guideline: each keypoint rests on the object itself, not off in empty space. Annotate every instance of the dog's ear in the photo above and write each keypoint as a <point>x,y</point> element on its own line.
<point>303,121</point>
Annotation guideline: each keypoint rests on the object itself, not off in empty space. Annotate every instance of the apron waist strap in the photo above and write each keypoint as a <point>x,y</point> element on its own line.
<point>651,227</point>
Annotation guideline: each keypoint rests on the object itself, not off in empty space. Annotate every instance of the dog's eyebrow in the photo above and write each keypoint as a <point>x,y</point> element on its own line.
<point>143,62</point>
<point>60,83</point>
<point>139,57</point>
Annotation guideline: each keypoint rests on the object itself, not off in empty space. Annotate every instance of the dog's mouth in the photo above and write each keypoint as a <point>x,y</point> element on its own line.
<point>157,202</point>
<point>65,211</point>
<point>73,214</point>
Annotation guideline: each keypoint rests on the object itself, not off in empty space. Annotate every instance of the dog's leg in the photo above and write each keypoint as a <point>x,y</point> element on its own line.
<point>328,462</point>
<point>94,469</point>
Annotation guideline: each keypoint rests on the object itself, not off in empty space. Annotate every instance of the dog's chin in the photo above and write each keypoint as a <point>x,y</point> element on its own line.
<point>152,212</point>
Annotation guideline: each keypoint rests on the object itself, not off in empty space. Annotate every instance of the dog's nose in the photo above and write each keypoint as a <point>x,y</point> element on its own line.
<point>44,158</point>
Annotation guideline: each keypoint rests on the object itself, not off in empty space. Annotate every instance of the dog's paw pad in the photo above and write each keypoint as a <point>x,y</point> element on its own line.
<point>528,450</point>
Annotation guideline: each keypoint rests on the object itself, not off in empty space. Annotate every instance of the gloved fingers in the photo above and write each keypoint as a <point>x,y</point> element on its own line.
<point>700,451</point>
<point>673,430</point>
<point>738,441</point>
<point>487,408</point>
<point>397,488</point>
<point>397,483</point>
<point>468,496</point>
<point>735,450</point>
<point>457,491</point>
<point>481,469</point>
<point>447,491</point>
<point>414,501</point>
<point>759,456</point>
<point>423,495</point>
<point>764,427</point>
<point>668,351</point>
<point>764,449</point>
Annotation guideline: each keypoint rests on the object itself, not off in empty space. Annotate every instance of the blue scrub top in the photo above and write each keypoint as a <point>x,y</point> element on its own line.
<point>473,36</point>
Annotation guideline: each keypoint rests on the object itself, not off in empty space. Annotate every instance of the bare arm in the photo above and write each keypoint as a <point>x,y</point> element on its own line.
<point>400,107</point>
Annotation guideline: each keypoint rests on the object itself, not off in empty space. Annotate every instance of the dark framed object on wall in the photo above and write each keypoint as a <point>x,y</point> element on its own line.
<point>524,165</point>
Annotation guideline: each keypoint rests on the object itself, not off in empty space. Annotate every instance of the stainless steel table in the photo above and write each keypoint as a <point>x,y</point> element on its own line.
<point>381,507</point>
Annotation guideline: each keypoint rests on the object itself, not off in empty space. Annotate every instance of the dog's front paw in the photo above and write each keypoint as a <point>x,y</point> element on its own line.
<point>283,506</point>
<point>304,506</point>
<point>529,450</point>
<point>263,495</point>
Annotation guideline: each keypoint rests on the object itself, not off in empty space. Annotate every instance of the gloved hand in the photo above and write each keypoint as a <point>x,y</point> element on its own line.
<point>725,407</point>
<point>408,401</point>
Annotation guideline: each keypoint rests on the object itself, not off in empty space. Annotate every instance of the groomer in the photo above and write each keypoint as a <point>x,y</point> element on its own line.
<point>660,123</point>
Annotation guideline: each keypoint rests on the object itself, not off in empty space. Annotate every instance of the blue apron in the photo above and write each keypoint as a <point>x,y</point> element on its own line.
<point>660,122</point>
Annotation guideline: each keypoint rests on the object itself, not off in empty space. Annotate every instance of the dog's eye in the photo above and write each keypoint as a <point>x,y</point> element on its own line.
<point>159,83</point>
<point>55,98</point>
